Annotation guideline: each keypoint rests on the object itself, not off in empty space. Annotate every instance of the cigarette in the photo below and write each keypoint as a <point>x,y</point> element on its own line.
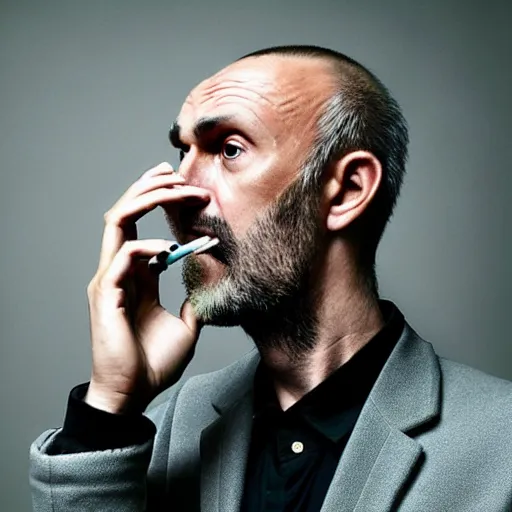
<point>165,258</point>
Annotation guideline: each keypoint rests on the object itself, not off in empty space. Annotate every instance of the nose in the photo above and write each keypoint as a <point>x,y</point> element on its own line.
<point>198,172</point>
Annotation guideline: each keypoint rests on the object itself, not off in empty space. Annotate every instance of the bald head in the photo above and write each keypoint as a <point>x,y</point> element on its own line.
<point>361,114</point>
<point>285,114</point>
<point>284,97</point>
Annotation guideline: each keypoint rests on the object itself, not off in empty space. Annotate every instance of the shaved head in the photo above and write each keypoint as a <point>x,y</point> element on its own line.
<point>360,114</point>
<point>260,135</point>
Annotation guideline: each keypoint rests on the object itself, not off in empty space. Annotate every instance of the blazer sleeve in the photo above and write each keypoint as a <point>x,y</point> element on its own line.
<point>100,481</point>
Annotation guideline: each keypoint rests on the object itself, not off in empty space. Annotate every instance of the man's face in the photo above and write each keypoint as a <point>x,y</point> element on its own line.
<point>245,135</point>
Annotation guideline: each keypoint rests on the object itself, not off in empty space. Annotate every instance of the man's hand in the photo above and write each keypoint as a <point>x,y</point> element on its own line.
<point>138,348</point>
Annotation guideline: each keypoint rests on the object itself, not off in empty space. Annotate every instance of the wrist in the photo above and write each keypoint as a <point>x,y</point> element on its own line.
<point>113,402</point>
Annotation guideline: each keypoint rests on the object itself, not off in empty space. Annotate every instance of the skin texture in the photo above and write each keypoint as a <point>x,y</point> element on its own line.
<point>285,257</point>
<point>134,355</point>
<point>269,105</point>
<point>284,269</point>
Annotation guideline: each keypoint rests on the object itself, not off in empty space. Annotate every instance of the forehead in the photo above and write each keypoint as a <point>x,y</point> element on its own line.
<point>272,90</point>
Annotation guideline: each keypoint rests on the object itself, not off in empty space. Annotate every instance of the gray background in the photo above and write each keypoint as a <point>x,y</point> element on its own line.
<point>88,92</point>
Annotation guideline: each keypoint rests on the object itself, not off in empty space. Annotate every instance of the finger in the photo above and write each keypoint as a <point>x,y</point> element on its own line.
<point>143,284</point>
<point>133,209</point>
<point>189,317</point>
<point>162,168</point>
<point>113,235</point>
<point>126,213</point>
<point>113,238</point>
<point>146,185</point>
<point>126,258</point>
<point>146,279</point>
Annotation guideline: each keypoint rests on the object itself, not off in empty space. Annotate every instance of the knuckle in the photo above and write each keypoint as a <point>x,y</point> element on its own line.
<point>114,214</point>
<point>104,284</point>
<point>107,217</point>
<point>129,247</point>
<point>137,187</point>
<point>161,167</point>
<point>112,218</point>
<point>164,166</point>
<point>92,287</point>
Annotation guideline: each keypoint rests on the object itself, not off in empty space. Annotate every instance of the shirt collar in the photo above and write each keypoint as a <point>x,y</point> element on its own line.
<point>333,406</point>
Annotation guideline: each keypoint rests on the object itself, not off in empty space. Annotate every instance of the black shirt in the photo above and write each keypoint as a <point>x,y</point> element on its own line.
<point>293,454</point>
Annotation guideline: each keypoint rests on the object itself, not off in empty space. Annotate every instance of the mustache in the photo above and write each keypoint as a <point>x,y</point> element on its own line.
<point>227,249</point>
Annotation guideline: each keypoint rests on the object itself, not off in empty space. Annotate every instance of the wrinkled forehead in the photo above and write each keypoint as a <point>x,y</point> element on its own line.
<point>279,93</point>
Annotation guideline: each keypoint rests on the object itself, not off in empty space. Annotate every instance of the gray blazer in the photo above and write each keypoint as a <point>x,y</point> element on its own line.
<point>433,435</point>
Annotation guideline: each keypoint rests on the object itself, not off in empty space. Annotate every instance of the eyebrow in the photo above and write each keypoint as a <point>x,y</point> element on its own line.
<point>203,127</point>
<point>174,135</point>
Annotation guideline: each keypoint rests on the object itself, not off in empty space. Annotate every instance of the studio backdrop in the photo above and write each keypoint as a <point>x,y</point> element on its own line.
<point>88,93</point>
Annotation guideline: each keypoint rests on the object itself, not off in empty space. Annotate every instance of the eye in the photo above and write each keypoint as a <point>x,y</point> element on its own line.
<point>231,151</point>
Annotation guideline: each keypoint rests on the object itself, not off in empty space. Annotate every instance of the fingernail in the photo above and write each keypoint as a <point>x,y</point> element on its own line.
<point>162,256</point>
<point>158,267</point>
<point>158,263</point>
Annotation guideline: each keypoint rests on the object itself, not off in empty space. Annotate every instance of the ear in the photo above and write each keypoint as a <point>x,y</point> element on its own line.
<point>351,185</point>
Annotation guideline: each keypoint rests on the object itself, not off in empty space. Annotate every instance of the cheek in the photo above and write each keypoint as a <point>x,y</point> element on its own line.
<point>239,210</point>
<point>244,193</point>
<point>243,190</point>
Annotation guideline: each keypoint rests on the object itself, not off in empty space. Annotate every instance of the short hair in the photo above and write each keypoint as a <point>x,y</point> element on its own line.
<point>361,115</point>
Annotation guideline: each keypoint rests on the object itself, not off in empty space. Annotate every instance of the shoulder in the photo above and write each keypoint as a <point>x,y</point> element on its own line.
<point>200,390</point>
<point>467,380</point>
<point>475,396</point>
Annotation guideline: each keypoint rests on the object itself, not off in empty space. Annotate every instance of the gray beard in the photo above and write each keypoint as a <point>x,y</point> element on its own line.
<point>268,287</point>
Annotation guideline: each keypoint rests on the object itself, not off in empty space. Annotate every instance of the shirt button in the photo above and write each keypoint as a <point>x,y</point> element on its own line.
<point>297,447</point>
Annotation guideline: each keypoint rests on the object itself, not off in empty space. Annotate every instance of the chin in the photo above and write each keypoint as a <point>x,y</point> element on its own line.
<point>202,276</point>
<point>213,306</point>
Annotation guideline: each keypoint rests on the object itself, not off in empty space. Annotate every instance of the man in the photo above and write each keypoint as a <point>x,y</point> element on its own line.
<point>293,158</point>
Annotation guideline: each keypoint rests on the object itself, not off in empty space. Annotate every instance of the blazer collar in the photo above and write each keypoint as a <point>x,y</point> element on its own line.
<point>407,391</point>
<point>235,382</point>
<point>380,457</point>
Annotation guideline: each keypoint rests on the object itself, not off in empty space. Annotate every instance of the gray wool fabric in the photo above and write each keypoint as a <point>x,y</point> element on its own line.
<point>433,435</point>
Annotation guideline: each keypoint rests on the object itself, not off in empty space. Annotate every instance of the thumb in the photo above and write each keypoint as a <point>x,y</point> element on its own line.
<point>190,318</point>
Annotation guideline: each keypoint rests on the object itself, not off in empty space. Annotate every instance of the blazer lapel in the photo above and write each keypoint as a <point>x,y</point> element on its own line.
<point>380,458</point>
<point>376,462</point>
<point>224,452</point>
<point>225,443</point>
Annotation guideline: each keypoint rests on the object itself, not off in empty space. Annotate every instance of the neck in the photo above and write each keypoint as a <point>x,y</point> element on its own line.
<point>311,338</point>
